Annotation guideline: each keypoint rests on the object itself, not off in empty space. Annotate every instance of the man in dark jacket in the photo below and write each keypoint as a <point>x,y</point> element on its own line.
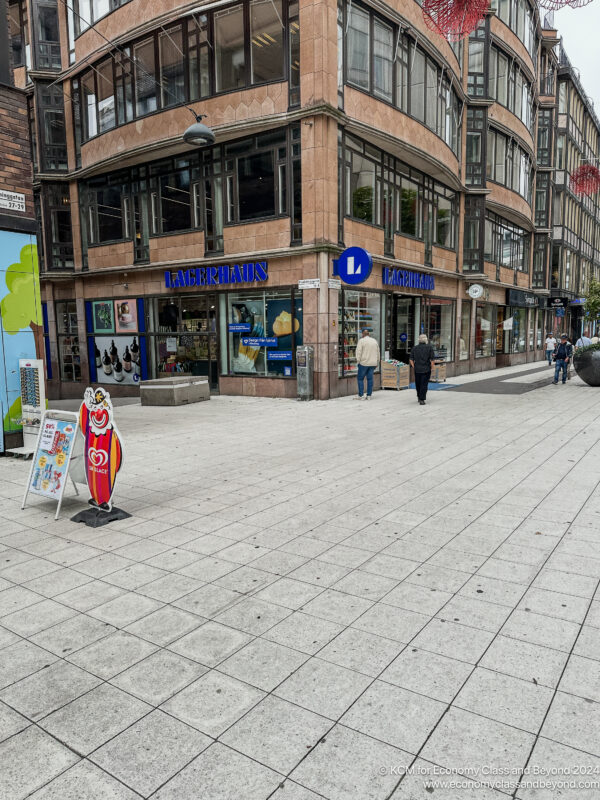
<point>422,359</point>
<point>562,358</point>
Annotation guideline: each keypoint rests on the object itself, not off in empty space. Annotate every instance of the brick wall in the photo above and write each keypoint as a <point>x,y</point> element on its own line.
<point>15,154</point>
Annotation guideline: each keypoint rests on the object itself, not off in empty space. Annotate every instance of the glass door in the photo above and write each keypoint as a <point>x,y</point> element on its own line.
<point>404,323</point>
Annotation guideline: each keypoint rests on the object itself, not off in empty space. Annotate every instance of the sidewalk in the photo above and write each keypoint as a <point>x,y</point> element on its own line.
<point>311,598</point>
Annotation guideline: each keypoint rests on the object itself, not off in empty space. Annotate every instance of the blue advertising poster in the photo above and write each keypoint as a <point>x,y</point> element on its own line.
<point>279,324</point>
<point>20,318</point>
<point>279,355</point>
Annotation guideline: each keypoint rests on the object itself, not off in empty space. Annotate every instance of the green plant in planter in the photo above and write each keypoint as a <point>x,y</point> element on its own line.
<point>592,302</point>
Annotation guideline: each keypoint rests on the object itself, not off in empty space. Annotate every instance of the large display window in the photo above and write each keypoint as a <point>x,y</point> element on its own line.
<point>356,311</point>
<point>262,332</point>
<point>485,328</point>
<point>441,327</point>
<point>465,331</point>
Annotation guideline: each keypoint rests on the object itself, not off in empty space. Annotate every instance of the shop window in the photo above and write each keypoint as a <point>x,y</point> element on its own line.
<point>357,47</point>
<point>68,341</point>
<point>266,41</point>
<point>172,76</point>
<point>485,330</point>
<point>229,49</point>
<point>441,327</point>
<point>357,310</point>
<point>464,341</point>
<point>145,86</point>
<point>274,328</point>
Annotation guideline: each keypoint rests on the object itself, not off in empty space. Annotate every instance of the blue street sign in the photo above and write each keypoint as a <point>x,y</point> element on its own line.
<point>240,327</point>
<point>259,341</point>
<point>279,355</point>
<point>403,337</point>
<point>353,266</point>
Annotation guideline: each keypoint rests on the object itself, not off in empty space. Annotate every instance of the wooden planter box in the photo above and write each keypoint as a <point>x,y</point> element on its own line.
<point>394,376</point>
<point>438,373</point>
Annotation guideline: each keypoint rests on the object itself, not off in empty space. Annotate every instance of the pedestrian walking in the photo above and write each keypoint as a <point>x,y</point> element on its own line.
<point>550,347</point>
<point>367,358</point>
<point>562,358</point>
<point>422,359</point>
<point>584,340</point>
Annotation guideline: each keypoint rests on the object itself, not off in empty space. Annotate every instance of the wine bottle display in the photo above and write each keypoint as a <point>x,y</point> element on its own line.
<point>118,370</point>
<point>127,360</point>
<point>106,364</point>
<point>135,351</point>
<point>98,356</point>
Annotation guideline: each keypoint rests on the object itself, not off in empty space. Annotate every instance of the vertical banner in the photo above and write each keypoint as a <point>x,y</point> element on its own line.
<point>102,450</point>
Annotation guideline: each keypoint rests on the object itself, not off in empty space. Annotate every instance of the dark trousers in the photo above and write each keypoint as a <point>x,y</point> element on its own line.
<point>421,382</point>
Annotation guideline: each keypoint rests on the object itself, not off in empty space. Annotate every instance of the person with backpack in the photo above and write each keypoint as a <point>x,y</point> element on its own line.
<point>562,358</point>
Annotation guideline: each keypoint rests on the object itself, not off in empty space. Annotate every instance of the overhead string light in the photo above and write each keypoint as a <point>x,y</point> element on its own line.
<point>454,19</point>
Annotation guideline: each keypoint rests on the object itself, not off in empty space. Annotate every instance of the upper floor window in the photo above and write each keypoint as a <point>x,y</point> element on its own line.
<point>18,32</point>
<point>87,12</point>
<point>52,134</point>
<point>519,17</point>
<point>249,43</point>
<point>508,164</point>
<point>47,38</point>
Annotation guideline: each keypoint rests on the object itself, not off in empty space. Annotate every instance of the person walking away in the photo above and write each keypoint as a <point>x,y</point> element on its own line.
<point>367,358</point>
<point>562,358</point>
<point>422,359</point>
<point>583,341</point>
<point>550,347</point>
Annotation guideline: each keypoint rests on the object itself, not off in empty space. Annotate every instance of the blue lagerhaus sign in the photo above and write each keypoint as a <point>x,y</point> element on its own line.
<point>408,278</point>
<point>226,274</point>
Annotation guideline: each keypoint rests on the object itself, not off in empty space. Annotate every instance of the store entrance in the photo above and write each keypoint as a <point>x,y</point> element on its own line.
<point>406,326</point>
<point>185,337</point>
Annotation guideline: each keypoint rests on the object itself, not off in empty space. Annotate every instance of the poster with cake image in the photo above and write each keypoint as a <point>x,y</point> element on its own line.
<point>279,324</point>
<point>118,359</point>
<point>125,316</point>
<point>51,458</point>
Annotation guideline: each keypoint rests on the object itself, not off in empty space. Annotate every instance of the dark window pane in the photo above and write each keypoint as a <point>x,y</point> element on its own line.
<point>172,80</point>
<point>229,49</point>
<point>110,214</point>
<point>409,208</point>
<point>256,186</point>
<point>266,40</point>
<point>145,88</point>
<point>362,188</point>
<point>175,201</point>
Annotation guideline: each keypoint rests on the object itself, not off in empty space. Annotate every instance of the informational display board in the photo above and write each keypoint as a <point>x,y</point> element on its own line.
<point>50,466</point>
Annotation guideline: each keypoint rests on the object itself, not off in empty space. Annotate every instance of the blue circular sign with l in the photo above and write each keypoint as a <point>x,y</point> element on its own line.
<point>353,266</point>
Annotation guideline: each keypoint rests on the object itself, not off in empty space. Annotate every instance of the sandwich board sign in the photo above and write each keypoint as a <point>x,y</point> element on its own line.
<point>50,465</point>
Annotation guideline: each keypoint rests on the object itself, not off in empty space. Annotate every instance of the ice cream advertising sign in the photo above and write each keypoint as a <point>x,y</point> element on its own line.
<point>102,450</point>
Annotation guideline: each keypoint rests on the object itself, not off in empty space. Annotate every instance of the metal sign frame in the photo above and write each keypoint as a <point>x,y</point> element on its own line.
<point>60,416</point>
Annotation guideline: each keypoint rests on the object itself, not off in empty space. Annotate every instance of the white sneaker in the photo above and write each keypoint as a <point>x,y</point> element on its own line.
<point>368,397</point>
<point>358,396</point>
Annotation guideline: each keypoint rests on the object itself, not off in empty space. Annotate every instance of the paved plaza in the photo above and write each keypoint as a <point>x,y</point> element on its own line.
<point>342,600</point>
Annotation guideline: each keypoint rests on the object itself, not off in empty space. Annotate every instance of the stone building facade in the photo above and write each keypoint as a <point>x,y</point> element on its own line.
<point>338,124</point>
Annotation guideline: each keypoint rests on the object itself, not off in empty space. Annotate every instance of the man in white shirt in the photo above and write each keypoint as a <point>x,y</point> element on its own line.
<point>584,340</point>
<point>550,345</point>
<point>367,358</point>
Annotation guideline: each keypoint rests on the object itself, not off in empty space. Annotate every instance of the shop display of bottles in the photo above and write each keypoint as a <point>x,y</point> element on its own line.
<point>353,316</point>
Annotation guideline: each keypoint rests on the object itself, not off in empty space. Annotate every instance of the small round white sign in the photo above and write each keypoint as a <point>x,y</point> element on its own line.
<point>475,290</point>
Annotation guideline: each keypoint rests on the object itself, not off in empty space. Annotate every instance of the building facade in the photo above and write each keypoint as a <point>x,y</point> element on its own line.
<point>338,124</point>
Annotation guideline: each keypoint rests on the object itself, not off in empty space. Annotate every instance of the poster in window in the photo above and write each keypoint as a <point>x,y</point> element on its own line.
<point>118,359</point>
<point>125,316</point>
<point>103,316</point>
<point>248,358</point>
<point>280,323</point>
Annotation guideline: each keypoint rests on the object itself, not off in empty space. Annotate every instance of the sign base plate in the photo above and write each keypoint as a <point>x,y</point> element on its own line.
<point>96,517</point>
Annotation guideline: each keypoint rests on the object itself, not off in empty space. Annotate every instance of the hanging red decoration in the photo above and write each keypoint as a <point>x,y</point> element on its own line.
<point>555,5</point>
<point>455,19</point>
<point>585,180</point>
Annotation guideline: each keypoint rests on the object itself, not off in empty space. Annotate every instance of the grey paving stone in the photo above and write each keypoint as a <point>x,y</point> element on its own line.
<point>575,722</point>
<point>263,664</point>
<point>84,781</point>
<point>279,563</point>
<point>220,773</point>
<point>10,722</point>
<point>134,575</point>
<point>277,733</point>
<point>158,677</point>
<point>108,656</point>
<point>173,559</point>
<point>542,630</point>
<point>394,715</point>
<point>420,784</point>
<point>391,622</point>
<point>88,722</point>
<point>17,754</point>
<point>253,616</point>
<point>35,618</point>
<point>513,701</point>
<point>323,687</point>
<point>90,595</point>
<point>569,583</point>
<point>72,635</point>
<point>475,613</point>
<point>289,593</point>
<point>246,580</point>
<point>368,585</point>
<point>464,741</point>
<point>319,573</point>
<point>150,752</point>
<point>208,569</point>
<point>7,637</point>
<point>58,582</point>
<point>48,689</point>
<point>361,651</point>
<point>15,598</point>
<point>588,643</point>
<point>303,632</point>
<point>582,677</point>
<point>29,569</point>
<point>165,625</point>
<point>208,600</point>
<point>169,588</point>
<point>493,591</point>
<point>453,640</point>
<point>213,703</point>
<point>546,757</point>
<point>125,609</point>
<point>337,606</point>
<point>103,565</point>
<point>525,660</point>
<point>210,644</point>
<point>421,599</point>
<point>20,659</point>
<point>427,673</point>
<point>72,554</point>
<point>348,765</point>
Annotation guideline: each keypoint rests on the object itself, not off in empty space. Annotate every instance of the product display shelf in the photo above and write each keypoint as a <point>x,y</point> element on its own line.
<point>348,340</point>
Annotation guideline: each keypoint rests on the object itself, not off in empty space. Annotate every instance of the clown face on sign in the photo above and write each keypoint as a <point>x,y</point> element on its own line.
<point>102,451</point>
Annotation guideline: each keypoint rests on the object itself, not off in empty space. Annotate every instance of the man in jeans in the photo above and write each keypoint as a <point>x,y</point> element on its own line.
<point>367,358</point>
<point>422,360</point>
<point>562,358</point>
